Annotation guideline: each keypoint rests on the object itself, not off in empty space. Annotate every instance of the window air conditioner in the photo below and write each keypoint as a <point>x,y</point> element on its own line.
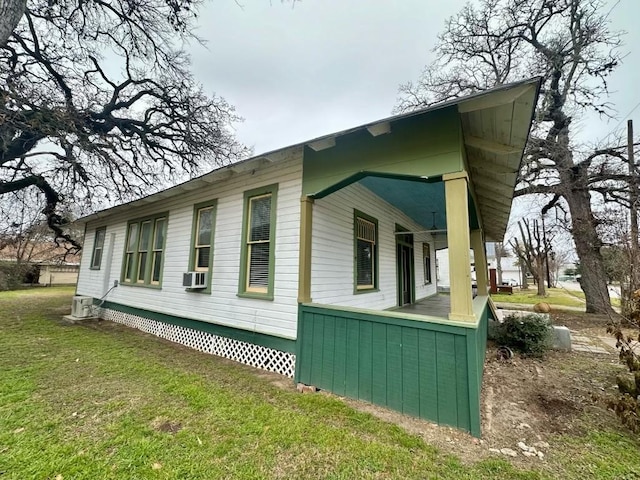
<point>82,307</point>
<point>194,280</point>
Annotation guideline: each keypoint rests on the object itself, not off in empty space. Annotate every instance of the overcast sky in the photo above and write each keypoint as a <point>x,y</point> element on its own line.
<point>295,73</point>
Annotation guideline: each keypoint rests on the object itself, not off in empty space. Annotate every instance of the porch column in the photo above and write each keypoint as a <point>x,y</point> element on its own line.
<point>304,262</point>
<point>480,259</point>
<point>456,197</point>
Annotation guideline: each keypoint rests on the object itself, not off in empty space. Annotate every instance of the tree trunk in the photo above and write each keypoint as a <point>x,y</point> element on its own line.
<point>583,230</point>
<point>11,12</point>
<point>540,275</point>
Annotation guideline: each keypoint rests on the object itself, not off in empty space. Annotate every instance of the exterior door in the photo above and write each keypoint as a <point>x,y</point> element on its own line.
<point>405,269</point>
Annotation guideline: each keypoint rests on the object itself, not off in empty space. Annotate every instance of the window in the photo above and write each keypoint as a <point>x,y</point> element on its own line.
<point>426,256</point>
<point>258,233</point>
<point>143,253</point>
<point>201,258</point>
<point>366,251</point>
<point>98,247</point>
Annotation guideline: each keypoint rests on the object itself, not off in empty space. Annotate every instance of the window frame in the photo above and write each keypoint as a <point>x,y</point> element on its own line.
<point>243,285</point>
<point>150,250</point>
<point>193,254</point>
<point>92,265</point>
<point>426,263</point>
<point>358,289</point>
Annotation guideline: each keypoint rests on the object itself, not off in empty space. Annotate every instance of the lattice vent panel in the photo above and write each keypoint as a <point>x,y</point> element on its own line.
<point>243,352</point>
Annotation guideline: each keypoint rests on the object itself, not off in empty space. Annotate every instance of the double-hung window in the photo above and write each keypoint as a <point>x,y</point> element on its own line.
<point>201,258</point>
<point>98,248</point>
<point>144,250</point>
<point>258,244</point>
<point>366,252</point>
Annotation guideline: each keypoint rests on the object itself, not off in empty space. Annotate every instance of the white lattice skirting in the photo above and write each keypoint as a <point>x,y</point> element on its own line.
<point>243,352</point>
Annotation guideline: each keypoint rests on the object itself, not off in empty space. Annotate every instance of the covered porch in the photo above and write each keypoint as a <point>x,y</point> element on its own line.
<point>442,177</point>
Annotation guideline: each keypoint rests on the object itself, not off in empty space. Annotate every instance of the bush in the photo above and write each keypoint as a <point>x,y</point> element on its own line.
<point>529,335</point>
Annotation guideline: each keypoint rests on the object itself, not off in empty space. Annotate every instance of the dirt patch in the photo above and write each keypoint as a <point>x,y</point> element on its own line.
<point>166,426</point>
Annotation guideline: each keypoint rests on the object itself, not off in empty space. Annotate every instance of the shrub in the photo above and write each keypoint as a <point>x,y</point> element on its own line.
<point>529,335</point>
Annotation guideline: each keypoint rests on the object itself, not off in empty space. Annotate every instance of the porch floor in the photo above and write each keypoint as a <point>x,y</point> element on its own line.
<point>438,305</point>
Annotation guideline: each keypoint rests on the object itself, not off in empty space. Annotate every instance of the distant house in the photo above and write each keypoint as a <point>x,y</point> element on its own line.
<point>58,273</point>
<point>41,262</point>
<point>316,261</point>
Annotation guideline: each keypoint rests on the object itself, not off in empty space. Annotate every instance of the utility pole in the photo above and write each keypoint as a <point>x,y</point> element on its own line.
<point>633,199</point>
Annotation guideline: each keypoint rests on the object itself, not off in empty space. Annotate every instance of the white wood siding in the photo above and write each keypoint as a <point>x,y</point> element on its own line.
<point>332,272</point>
<point>223,306</point>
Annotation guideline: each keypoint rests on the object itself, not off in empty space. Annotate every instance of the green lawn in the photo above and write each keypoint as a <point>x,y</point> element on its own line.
<point>103,401</point>
<point>555,296</point>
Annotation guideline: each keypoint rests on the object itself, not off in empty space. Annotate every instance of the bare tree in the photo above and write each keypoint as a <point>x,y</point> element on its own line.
<point>569,44</point>
<point>532,249</point>
<point>97,103</point>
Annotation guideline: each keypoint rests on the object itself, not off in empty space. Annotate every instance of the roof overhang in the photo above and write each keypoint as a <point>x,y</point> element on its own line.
<point>495,126</point>
<point>495,131</point>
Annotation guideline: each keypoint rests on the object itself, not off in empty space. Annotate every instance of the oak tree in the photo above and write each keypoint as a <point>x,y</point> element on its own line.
<point>570,45</point>
<point>97,104</point>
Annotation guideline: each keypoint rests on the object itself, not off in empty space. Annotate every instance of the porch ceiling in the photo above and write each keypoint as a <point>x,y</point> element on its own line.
<point>495,130</point>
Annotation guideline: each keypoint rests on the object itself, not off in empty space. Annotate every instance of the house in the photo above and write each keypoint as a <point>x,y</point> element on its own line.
<point>316,260</point>
<point>58,273</point>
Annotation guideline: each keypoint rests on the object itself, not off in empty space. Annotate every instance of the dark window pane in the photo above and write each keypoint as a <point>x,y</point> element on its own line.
<point>364,263</point>
<point>142,263</point>
<point>159,234</point>
<point>205,218</point>
<point>202,260</point>
<point>260,220</point>
<point>157,263</point>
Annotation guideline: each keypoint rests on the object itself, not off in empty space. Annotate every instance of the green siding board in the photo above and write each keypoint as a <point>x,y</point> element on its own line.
<point>462,382</point>
<point>305,342</point>
<point>269,341</point>
<point>427,361</point>
<point>317,351</point>
<point>340,355</point>
<point>328,353</point>
<point>410,374</point>
<point>379,384</point>
<point>351,376</point>
<point>475,380</point>
<point>365,360</point>
<point>446,382</point>
<point>394,367</point>
<point>429,145</point>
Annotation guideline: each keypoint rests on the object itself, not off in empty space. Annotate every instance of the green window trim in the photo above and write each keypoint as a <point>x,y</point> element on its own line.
<point>98,248</point>
<point>250,244</point>
<point>198,247</point>
<point>363,221</point>
<point>144,248</point>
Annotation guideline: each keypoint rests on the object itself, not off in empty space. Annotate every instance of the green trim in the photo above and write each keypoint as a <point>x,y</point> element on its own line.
<point>242,284</point>
<point>93,250</point>
<point>147,271</point>
<point>192,252</point>
<point>356,291</point>
<point>356,177</point>
<point>262,339</point>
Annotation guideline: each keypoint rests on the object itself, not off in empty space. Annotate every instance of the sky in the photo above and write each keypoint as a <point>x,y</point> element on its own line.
<point>296,72</point>
<point>321,66</point>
